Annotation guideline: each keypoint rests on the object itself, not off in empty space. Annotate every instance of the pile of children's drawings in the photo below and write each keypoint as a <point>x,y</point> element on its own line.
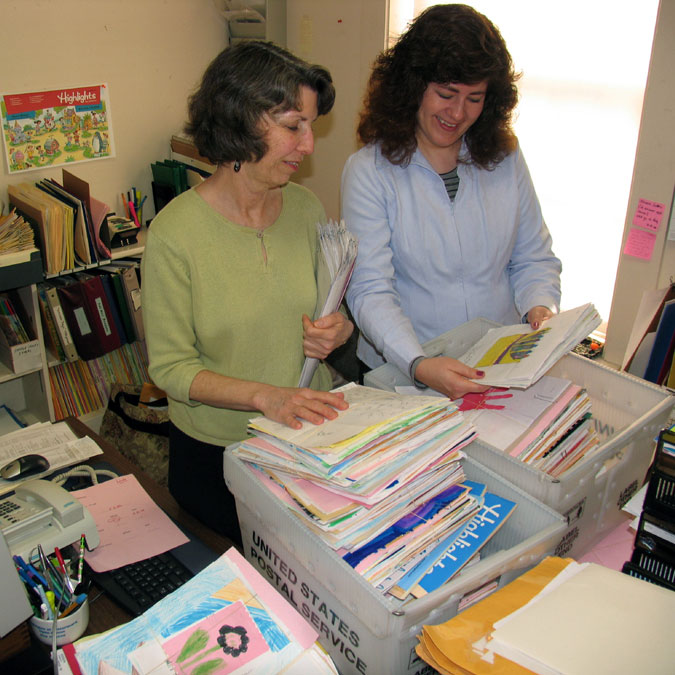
<point>226,619</point>
<point>382,485</point>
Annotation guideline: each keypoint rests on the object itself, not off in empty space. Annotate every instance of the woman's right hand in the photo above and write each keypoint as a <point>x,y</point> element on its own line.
<point>291,405</point>
<point>449,376</point>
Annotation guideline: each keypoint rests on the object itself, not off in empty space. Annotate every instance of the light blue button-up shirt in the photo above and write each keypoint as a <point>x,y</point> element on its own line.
<point>426,264</point>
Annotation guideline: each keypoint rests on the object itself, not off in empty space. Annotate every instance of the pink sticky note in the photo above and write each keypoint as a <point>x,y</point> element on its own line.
<point>648,214</point>
<point>640,244</point>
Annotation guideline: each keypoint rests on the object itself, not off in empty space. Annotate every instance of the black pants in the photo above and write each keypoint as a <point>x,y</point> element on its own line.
<point>196,482</point>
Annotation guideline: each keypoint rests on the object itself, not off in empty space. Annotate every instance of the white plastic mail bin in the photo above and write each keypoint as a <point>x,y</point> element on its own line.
<point>628,412</point>
<point>364,631</point>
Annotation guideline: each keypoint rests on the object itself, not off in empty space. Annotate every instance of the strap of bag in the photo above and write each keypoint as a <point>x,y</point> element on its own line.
<point>158,428</point>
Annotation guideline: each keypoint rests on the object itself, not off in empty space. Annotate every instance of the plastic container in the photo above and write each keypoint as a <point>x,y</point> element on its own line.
<point>68,629</point>
<point>628,413</point>
<point>362,630</point>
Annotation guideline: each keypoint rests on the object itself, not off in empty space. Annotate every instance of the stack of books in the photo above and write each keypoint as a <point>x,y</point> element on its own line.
<point>382,485</point>
<point>81,387</point>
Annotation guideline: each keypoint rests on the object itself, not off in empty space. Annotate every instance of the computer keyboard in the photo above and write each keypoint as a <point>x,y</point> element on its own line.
<point>138,586</point>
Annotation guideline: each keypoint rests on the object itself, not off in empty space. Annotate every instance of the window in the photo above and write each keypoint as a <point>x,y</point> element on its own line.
<point>584,66</point>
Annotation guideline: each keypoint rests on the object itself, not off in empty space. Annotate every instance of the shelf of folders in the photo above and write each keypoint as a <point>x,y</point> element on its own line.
<point>94,334</point>
<point>69,223</point>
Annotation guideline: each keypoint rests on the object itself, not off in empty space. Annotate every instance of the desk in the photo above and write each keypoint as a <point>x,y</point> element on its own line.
<point>104,612</point>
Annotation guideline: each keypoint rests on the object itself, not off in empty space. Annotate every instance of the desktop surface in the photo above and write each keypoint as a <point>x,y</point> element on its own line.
<point>204,546</point>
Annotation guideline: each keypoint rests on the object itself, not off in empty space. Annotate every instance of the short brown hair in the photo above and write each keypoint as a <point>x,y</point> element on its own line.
<point>243,83</point>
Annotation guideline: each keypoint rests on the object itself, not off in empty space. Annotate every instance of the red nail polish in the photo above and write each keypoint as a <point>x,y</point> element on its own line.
<point>481,373</point>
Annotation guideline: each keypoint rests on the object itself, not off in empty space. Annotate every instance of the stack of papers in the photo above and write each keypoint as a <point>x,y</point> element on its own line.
<point>517,356</point>
<point>560,617</point>
<point>548,425</point>
<point>226,619</point>
<point>382,484</point>
<point>56,442</point>
<point>336,262</point>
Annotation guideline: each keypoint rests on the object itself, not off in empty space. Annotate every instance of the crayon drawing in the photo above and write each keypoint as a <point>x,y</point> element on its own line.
<point>60,126</point>
<point>221,643</point>
<point>511,348</point>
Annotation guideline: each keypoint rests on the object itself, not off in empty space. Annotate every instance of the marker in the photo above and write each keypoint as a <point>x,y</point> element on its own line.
<point>30,570</point>
<point>45,602</point>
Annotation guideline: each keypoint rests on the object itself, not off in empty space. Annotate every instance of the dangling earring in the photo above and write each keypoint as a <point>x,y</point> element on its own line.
<point>237,165</point>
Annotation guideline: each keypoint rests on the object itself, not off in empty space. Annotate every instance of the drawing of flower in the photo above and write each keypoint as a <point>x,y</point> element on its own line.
<point>233,639</point>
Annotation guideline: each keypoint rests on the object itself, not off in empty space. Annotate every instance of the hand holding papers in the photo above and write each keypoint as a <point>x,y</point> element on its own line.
<point>517,356</point>
<point>336,261</point>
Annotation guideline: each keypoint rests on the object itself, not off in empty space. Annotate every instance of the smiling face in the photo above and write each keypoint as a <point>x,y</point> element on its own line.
<point>289,138</point>
<point>446,113</point>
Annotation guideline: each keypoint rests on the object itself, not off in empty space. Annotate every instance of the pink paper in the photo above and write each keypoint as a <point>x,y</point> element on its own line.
<point>228,639</point>
<point>300,630</point>
<point>640,244</point>
<point>131,526</point>
<point>648,214</point>
<point>613,550</point>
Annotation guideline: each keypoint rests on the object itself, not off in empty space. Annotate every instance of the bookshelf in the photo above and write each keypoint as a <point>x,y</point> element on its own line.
<point>54,388</point>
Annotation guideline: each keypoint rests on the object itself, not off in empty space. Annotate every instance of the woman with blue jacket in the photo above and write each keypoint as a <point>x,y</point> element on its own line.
<point>441,200</point>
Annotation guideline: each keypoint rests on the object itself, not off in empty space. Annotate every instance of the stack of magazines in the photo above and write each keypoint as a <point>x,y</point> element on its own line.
<point>382,485</point>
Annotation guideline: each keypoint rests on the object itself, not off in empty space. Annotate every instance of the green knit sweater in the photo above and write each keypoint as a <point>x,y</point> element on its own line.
<point>212,300</point>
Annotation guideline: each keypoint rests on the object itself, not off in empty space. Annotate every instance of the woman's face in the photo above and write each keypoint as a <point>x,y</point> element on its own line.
<point>446,113</point>
<point>289,138</point>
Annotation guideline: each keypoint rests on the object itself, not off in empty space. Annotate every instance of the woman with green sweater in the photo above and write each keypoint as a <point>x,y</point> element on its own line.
<point>229,273</point>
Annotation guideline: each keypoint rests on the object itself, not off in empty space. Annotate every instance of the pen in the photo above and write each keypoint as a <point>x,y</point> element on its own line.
<point>45,602</point>
<point>80,564</point>
<point>30,570</point>
<point>62,565</point>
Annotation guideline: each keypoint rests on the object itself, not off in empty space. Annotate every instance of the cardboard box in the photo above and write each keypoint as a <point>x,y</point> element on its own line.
<point>364,631</point>
<point>629,413</point>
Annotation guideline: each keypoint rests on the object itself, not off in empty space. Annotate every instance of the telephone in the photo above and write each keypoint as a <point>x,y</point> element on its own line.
<point>42,512</point>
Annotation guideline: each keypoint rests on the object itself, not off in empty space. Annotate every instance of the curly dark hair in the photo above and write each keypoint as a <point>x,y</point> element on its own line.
<point>444,44</point>
<point>243,83</point>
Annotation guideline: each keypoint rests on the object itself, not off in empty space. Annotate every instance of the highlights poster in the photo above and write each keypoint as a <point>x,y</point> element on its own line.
<point>61,126</point>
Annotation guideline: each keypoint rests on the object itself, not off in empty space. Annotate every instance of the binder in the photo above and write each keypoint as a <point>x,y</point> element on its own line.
<point>49,325</point>
<point>60,322</point>
<point>114,273</point>
<point>132,293</point>
<point>99,307</point>
<point>106,280</point>
<point>88,315</point>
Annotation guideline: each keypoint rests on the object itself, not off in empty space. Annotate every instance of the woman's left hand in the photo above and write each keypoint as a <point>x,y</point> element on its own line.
<point>537,315</point>
<point>322,336</point>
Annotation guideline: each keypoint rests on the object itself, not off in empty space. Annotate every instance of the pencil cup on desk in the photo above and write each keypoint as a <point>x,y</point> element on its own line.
<point>68,628</point>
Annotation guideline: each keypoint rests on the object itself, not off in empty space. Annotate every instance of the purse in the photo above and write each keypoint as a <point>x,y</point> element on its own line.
<point>139,429</point>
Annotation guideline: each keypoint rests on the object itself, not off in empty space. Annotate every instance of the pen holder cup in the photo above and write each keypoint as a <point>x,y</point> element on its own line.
<point>68,629</point>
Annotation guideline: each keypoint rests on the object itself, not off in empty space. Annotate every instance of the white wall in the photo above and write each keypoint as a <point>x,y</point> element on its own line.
<point>151,53</point>
<point>345,37</point>
<point>653,179</point>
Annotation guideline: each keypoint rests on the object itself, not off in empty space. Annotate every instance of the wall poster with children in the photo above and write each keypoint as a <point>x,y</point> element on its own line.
<point>60,126</point>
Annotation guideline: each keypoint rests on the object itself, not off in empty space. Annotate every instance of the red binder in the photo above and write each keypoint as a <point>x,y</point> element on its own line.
<point>88,315</point>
